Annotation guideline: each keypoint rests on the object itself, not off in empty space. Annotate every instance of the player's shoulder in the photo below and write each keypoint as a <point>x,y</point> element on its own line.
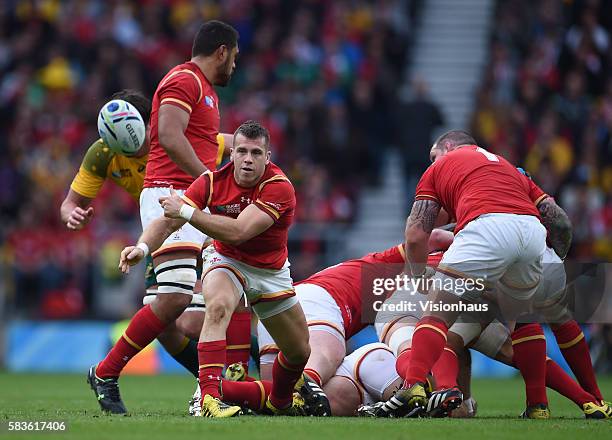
<point>187,73</point>
<point>98,158</point>
<point>274,175</point>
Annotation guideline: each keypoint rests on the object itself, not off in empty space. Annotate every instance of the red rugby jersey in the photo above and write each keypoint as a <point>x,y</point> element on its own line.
<point>470,181</point>
<point>344,282</point>
<point>536,194</point>
<point>186,87</point>
<point>273,194</point>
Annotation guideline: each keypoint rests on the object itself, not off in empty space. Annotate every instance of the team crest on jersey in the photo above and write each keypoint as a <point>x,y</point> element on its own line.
<point>209,100</point>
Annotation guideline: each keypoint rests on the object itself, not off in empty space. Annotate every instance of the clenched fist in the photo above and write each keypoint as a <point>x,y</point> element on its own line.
<point>172,204</point>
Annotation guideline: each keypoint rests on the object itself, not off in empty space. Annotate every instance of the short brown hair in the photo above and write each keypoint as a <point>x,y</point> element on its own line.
<point>253,130</point>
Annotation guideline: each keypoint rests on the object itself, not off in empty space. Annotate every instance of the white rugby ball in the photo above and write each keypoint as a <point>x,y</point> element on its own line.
<point>121,127</point>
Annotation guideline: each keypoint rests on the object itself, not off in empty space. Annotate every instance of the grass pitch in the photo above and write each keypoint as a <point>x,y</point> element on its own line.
<point>159,405</point>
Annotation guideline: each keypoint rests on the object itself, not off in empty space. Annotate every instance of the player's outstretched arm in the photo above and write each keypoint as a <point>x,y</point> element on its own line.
<point>75,211</point>
<point>557,224</point>
<point>419,225</point>
<point>250,223</point>
<point>172,124</point>
<point>150,240</point>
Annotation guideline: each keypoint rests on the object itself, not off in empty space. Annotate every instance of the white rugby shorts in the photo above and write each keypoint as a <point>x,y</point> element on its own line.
<point>186,238</point>
<point>503,251</point>
<point>269,291</point>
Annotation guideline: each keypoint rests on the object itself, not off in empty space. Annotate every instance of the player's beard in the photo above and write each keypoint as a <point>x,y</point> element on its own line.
<point>224,73</point>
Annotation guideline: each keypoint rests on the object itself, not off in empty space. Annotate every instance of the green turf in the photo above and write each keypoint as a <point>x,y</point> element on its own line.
<point>158,406</point>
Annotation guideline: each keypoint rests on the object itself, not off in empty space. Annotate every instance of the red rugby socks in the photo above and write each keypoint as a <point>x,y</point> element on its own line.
<point>314,376</point>
<point>238,337</point>
<point>576,352</point>
<point>403,362</point>
<point>428,344</point>
<point>253,395</point>
<point>142,330</point>
<point>559,380</point>
<point>446,369</point>
<point>284,377</point>
<point>211,356</point>
<point>529,346</point>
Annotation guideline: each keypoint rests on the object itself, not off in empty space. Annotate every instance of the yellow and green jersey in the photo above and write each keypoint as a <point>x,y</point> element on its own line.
<point>101,163</point>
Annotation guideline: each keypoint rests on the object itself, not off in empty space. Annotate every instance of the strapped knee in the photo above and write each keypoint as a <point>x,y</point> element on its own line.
<point>176,276</point>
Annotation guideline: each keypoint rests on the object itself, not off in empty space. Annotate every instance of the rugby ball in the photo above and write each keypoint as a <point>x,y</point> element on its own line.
<point>121,127</point>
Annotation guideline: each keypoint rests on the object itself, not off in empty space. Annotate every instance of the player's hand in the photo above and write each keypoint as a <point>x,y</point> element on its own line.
<point>130,256</point>
<point>172,204</point>
<point>79,217</point>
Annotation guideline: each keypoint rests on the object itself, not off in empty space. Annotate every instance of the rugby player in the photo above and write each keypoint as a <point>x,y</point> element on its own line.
<point>185,143</point>
<point>499,238</point>
<point>252,204</point>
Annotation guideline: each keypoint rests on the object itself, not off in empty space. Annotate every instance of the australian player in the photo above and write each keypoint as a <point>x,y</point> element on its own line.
<point>184,144</point>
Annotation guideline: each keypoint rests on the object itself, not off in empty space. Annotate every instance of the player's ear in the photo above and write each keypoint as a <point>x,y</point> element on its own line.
<point>222,53</point>
<point>268,156</point>
<point>231,154</point>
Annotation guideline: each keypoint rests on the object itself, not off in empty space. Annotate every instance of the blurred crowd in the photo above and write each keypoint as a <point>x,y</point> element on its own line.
<point>321,75</point>
<point>546,103</point>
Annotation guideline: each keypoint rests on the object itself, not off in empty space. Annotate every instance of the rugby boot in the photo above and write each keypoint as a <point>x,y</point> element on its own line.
<point>594,410</point>
<point>235,372</point>
<point>107,392</point>
<point>539,412</point>
<point>316,402</point>
<point>215,408</point>
<point>297,407</point>
<point>442,402</point>
<point>406,402</point>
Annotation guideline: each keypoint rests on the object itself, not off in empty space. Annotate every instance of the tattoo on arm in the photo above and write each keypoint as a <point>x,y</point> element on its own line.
<point>558,226</point>
<point>424,214</point>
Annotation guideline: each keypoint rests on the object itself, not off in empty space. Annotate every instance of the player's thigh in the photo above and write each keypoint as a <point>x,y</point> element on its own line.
<point>467,328</point>
<point>326,353</point>
<point>222,292</point>
<point>290,332</point>
<point>523,276</point>
<point>186,237</point>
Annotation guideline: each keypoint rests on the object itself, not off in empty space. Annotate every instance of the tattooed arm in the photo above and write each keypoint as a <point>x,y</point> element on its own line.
<point>419,225</point>
<point>558,226</point>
